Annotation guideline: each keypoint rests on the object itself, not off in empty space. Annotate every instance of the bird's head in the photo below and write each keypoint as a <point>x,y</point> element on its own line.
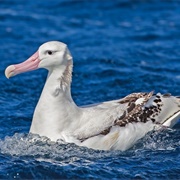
<point>50,55</point>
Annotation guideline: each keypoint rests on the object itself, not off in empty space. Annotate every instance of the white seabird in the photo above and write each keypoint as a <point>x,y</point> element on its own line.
<point>112,125</point>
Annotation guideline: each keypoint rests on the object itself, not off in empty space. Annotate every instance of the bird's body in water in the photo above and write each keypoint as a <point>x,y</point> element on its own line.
<point>112,125</point>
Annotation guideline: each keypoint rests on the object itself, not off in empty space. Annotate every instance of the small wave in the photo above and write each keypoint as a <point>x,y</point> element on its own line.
<point>30,145</point>
<point>71,161</point>
<point>162,140</point>
<point>42,147</point>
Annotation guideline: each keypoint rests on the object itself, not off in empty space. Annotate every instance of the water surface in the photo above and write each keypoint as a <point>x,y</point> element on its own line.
<point>119,47</point>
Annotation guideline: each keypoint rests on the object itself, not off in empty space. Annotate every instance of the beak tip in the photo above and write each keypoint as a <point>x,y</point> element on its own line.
<point>9,71</point>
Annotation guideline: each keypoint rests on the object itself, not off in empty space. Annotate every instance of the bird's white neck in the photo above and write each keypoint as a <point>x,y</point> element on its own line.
<point>52,111</point>
<point>58,82</point>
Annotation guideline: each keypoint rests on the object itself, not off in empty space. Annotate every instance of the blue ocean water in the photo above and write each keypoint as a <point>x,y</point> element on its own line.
<point>119,47</point>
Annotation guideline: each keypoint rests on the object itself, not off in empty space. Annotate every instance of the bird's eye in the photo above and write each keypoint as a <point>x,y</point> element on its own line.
<point>49,52</point>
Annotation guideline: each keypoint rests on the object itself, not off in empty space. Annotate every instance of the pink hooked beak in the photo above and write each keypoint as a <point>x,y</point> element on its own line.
<point>28,65</point>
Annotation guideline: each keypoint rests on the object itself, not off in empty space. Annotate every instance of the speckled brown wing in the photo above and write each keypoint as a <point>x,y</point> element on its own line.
<point>147,110</point>
<point>135,111</point>
<point>130,114</point>
<point>144,107</point>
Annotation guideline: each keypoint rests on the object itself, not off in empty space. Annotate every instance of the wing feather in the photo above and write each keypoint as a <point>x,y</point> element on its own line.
<point>128,113</point>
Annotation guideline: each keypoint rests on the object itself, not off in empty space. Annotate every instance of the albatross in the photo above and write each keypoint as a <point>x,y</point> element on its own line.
<point>111,125</point>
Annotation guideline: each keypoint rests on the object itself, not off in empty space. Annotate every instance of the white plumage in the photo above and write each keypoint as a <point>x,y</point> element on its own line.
<point>113,125</point>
